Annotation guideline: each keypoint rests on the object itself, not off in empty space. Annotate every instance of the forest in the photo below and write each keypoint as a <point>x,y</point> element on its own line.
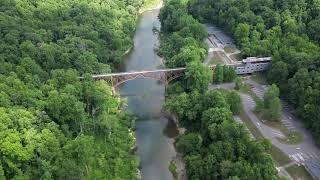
<point>286,30</point>
<point>214,145</point>
<point>52,125</point>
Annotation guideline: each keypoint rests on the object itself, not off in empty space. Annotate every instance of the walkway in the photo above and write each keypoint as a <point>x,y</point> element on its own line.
<point>301,154</point>
<point>219,51</point>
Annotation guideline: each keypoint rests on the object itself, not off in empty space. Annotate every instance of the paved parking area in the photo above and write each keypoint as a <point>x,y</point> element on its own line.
<point>260,90</point>
<point>302,158</point>
<point>305,153</point>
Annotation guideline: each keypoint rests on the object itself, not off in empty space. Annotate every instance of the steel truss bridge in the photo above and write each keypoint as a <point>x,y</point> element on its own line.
<point>163,75</point>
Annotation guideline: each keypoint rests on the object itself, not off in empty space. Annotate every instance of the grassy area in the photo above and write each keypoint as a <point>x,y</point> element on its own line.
<point>292,138</point>
<point>149,4</point>
<point>246,89</point>
<point>230,49</point>
<point>173,169</point>
<point>217,59</point>
<point>249,124</point>
<point>298,172</point>
<point>236,57</point>
<point>259,78</point>
<point>278,156</point>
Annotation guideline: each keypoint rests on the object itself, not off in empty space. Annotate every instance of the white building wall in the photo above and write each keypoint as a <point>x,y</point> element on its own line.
<point>249,68</point>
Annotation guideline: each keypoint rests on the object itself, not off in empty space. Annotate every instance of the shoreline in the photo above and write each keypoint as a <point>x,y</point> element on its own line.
<point>178,160</point>
<point>157,6</point>
<point>127,52</point>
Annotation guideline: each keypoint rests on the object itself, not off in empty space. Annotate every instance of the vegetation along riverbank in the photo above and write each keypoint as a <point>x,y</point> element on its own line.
<point>287,31</point>
<point>214,146</point>
<point>54,126</point>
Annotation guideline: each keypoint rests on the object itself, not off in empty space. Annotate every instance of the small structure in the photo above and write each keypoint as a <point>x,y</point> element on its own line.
<point>253,64</point>
<point>218,37</point>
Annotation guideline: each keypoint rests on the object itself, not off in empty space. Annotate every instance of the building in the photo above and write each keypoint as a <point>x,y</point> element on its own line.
<point>218,37</point>
<point>253,64</point>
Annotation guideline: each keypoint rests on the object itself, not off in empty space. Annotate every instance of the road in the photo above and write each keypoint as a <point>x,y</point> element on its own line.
<point>306,153</point>
<point>301,154</point>
<point>215,47</point>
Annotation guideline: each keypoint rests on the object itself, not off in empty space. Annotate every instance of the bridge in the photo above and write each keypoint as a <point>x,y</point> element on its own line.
<point>246,66</point>
<point>163,75</point>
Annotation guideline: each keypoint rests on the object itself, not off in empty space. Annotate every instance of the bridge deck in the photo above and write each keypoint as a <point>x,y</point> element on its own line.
<point>136,72</point>
<point>101,76</point>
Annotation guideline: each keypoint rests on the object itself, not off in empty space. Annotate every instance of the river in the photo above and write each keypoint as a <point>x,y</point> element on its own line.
<point>145,99</point>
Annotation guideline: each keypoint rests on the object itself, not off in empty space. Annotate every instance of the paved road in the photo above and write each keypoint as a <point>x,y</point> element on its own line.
<point>222,86</point>
<point>300,154</point>
<point>214,46</point>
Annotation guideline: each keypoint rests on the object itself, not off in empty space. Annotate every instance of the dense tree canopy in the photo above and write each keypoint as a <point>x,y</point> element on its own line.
<point>223,74</point>
<point>270,108</point>
<point>182,40</point>
<point>214,145</point>
<point>52,125</point>
<point>287,30</point>
<point>197,76</point>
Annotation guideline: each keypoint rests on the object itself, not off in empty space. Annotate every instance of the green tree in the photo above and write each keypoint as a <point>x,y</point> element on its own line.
<point>189,143</point>
<point>229,74</point>
<point>235,102</point>
<point>272,104</point>
<point>279,72</point>
<point>242,33</point>
<point>178,105</point>
<point>187,54</point>
<point>197,77</point>
<point>215,116</point>
<point>52,124</point>
<point>314,28</point>
<point>218,75</point>
<point>272,92</point>
<point>238,83</point>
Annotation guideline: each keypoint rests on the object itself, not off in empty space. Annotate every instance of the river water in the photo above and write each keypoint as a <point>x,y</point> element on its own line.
<point>145,99</point>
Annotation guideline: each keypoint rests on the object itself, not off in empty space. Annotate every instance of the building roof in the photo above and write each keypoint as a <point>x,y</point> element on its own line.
<point>255,59</point>
<point>219,34</point>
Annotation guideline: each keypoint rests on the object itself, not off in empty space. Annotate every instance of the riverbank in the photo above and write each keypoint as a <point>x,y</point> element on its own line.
<point>154,133</point>
<point>151,5</point>
<point>154,5</point>
<point>178,161</point>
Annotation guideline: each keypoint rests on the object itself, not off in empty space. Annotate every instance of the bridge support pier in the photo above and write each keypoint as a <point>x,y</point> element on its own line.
<point>113,91</point>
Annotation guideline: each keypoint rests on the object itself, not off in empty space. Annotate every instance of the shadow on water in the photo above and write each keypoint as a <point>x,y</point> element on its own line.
<point>171,129</point>
<point>154,132</point>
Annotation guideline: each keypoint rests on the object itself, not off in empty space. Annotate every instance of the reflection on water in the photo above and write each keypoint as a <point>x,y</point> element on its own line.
<point>145,99</point>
